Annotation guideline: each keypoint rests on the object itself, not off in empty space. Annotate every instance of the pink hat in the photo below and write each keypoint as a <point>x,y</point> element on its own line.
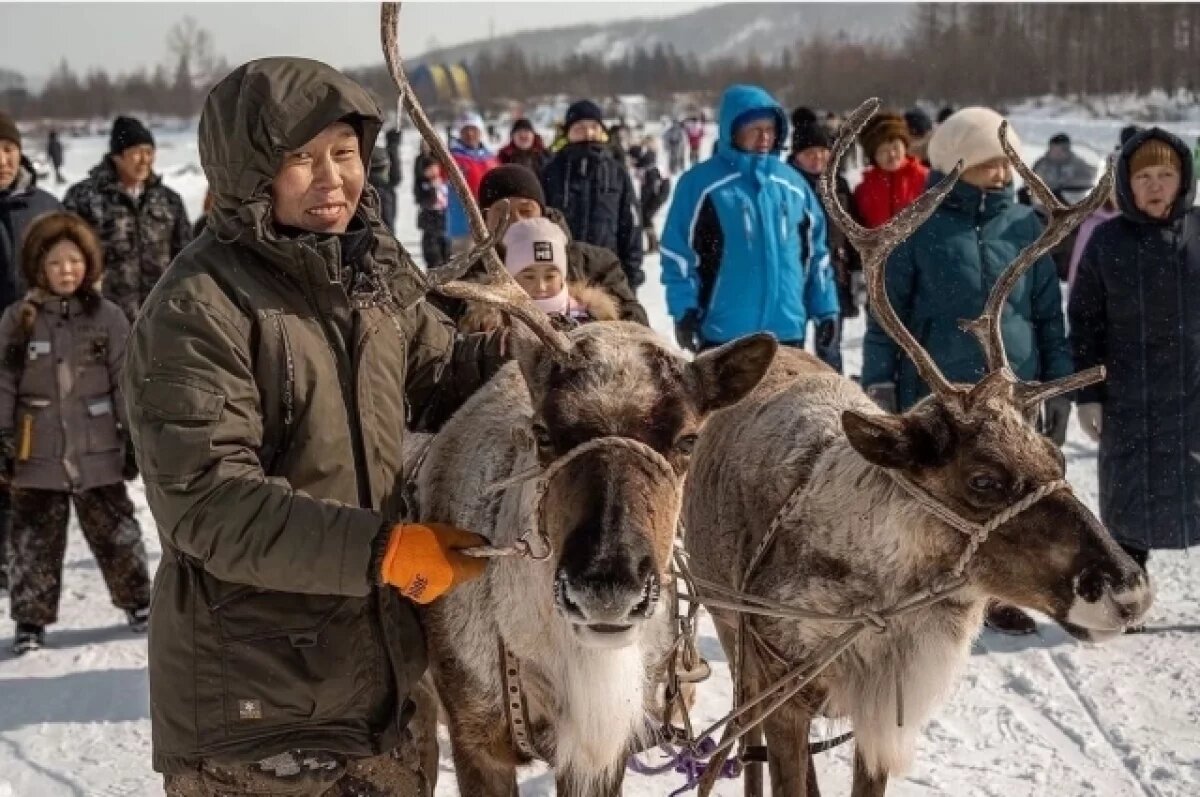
<point>535,242</point>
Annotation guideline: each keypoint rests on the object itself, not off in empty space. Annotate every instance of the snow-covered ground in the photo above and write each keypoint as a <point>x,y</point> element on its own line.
<point>1043,715</point>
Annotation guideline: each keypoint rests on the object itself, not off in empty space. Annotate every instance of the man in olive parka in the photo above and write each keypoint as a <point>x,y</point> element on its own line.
<point>270,376</point>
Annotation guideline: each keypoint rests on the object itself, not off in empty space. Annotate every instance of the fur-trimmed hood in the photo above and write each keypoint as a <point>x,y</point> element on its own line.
<point>588,303</point>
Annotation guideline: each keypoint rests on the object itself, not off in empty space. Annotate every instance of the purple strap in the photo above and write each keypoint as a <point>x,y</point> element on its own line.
<point>688,763</point>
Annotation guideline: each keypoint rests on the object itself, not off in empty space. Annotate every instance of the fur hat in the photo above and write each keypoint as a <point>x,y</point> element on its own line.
<point>971,135</point>
<point>883,128</point>
<point>128,132</point>
<point>9,130</point>
<point>40,238</point>
<point>1154,152</point>
<point>511,180</point>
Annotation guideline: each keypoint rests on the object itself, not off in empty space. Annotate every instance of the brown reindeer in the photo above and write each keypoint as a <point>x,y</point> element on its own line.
<point>575,453</point>
<point>878,507</point>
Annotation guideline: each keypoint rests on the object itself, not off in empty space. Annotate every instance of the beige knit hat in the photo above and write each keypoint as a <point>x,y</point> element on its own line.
<point>971,135</point>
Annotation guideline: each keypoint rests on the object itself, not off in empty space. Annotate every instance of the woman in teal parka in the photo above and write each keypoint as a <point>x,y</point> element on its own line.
<point>943,274</point>
<point>945,270</point>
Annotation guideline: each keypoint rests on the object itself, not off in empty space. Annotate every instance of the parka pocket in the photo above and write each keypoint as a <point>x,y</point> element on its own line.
<point>291,658</point>
<point>101,424</point>
<point>175,420</point>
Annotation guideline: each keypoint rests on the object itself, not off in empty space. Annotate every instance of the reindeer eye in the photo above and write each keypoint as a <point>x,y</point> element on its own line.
<point>686,443</point>
<point>542,436</point>
<point>984,483</point>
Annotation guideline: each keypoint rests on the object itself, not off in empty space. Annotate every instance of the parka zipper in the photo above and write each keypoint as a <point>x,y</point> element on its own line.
<point>345,366</point>
<point>341,357</point>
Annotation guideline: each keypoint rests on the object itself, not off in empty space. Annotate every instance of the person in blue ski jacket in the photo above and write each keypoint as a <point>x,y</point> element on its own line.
<point>743,249</point>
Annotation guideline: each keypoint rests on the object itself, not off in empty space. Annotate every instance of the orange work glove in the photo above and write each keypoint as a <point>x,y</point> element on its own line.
<point>423,561</point>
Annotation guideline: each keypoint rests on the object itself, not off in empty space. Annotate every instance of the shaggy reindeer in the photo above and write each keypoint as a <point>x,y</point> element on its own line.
<point>554,655</point>
<point>878,507</point>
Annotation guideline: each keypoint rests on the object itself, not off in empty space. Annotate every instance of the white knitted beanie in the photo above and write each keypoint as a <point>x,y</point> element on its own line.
<point>971,135</point>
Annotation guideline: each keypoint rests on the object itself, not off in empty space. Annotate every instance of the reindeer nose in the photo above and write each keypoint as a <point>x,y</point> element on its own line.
<point>1123,596</point>
<point>612,600</point>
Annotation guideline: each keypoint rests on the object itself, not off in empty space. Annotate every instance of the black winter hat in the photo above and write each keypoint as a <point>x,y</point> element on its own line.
<point>128,132</point>
<point>919,123</point>
<point>581,110</point>
<point>9,130</point>
<point>807,131</point>
<point>1060,139</point>
<point>510,181</point>
<point>522,124</point>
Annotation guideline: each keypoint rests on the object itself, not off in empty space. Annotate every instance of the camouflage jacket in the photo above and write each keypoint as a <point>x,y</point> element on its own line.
<point>140,236</point>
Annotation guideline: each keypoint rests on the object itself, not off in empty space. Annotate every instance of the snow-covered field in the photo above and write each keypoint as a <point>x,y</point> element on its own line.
<point>1043,715</point>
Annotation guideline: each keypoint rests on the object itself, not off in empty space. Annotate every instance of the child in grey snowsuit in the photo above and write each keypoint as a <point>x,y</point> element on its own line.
<point>62,437</point>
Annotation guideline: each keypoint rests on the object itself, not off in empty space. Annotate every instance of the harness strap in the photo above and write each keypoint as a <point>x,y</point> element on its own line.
<point>514,702</point>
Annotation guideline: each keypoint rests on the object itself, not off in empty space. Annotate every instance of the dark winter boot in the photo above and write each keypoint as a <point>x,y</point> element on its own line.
<point>28,637</point>
<point>1006,619</point>
<point>139,619</point>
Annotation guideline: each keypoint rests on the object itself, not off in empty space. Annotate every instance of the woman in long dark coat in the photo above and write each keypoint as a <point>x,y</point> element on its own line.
<point>1135,309</point>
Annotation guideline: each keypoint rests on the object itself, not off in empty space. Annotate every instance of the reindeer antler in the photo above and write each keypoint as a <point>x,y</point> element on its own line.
<point>502,291</point>
<point>875,245</point>
<point>1063,219</point>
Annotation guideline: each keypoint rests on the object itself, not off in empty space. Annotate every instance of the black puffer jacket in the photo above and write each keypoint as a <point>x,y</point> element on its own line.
<point>1135,309</point>
<point>20,204</point>
<point>595,193</point>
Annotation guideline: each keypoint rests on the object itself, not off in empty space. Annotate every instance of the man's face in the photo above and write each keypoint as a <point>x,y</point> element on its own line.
<point>1155,189</point>
<point>135,164</point>
<point>585,130</point>
<point>523,139</point>
<point>471,136</point>
<point>318,185</point>
<point>813,159</point>
<point>519,209</point>
<point>10,163</point>
<point>756,137</point>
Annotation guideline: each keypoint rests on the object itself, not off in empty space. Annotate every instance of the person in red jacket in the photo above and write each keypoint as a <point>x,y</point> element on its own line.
<point>475,160</point>
<point>895,178</point>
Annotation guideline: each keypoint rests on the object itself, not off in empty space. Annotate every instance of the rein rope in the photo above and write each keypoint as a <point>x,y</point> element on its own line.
<point>783,689</point>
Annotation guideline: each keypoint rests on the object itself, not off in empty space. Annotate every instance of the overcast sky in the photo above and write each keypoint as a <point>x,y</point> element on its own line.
<point>34,37</point>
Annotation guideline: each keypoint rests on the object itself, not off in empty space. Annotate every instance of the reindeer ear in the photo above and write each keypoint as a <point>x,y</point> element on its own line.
<point>882,440</point>
<point>922,439</point>
<point>727,374</point>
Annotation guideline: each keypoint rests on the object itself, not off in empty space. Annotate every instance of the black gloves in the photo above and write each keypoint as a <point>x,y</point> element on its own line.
<point>826,333</point>
<point>129,471</point>
<point>687,331</point>
<point>8,453</point>
<point>1056,412</point>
